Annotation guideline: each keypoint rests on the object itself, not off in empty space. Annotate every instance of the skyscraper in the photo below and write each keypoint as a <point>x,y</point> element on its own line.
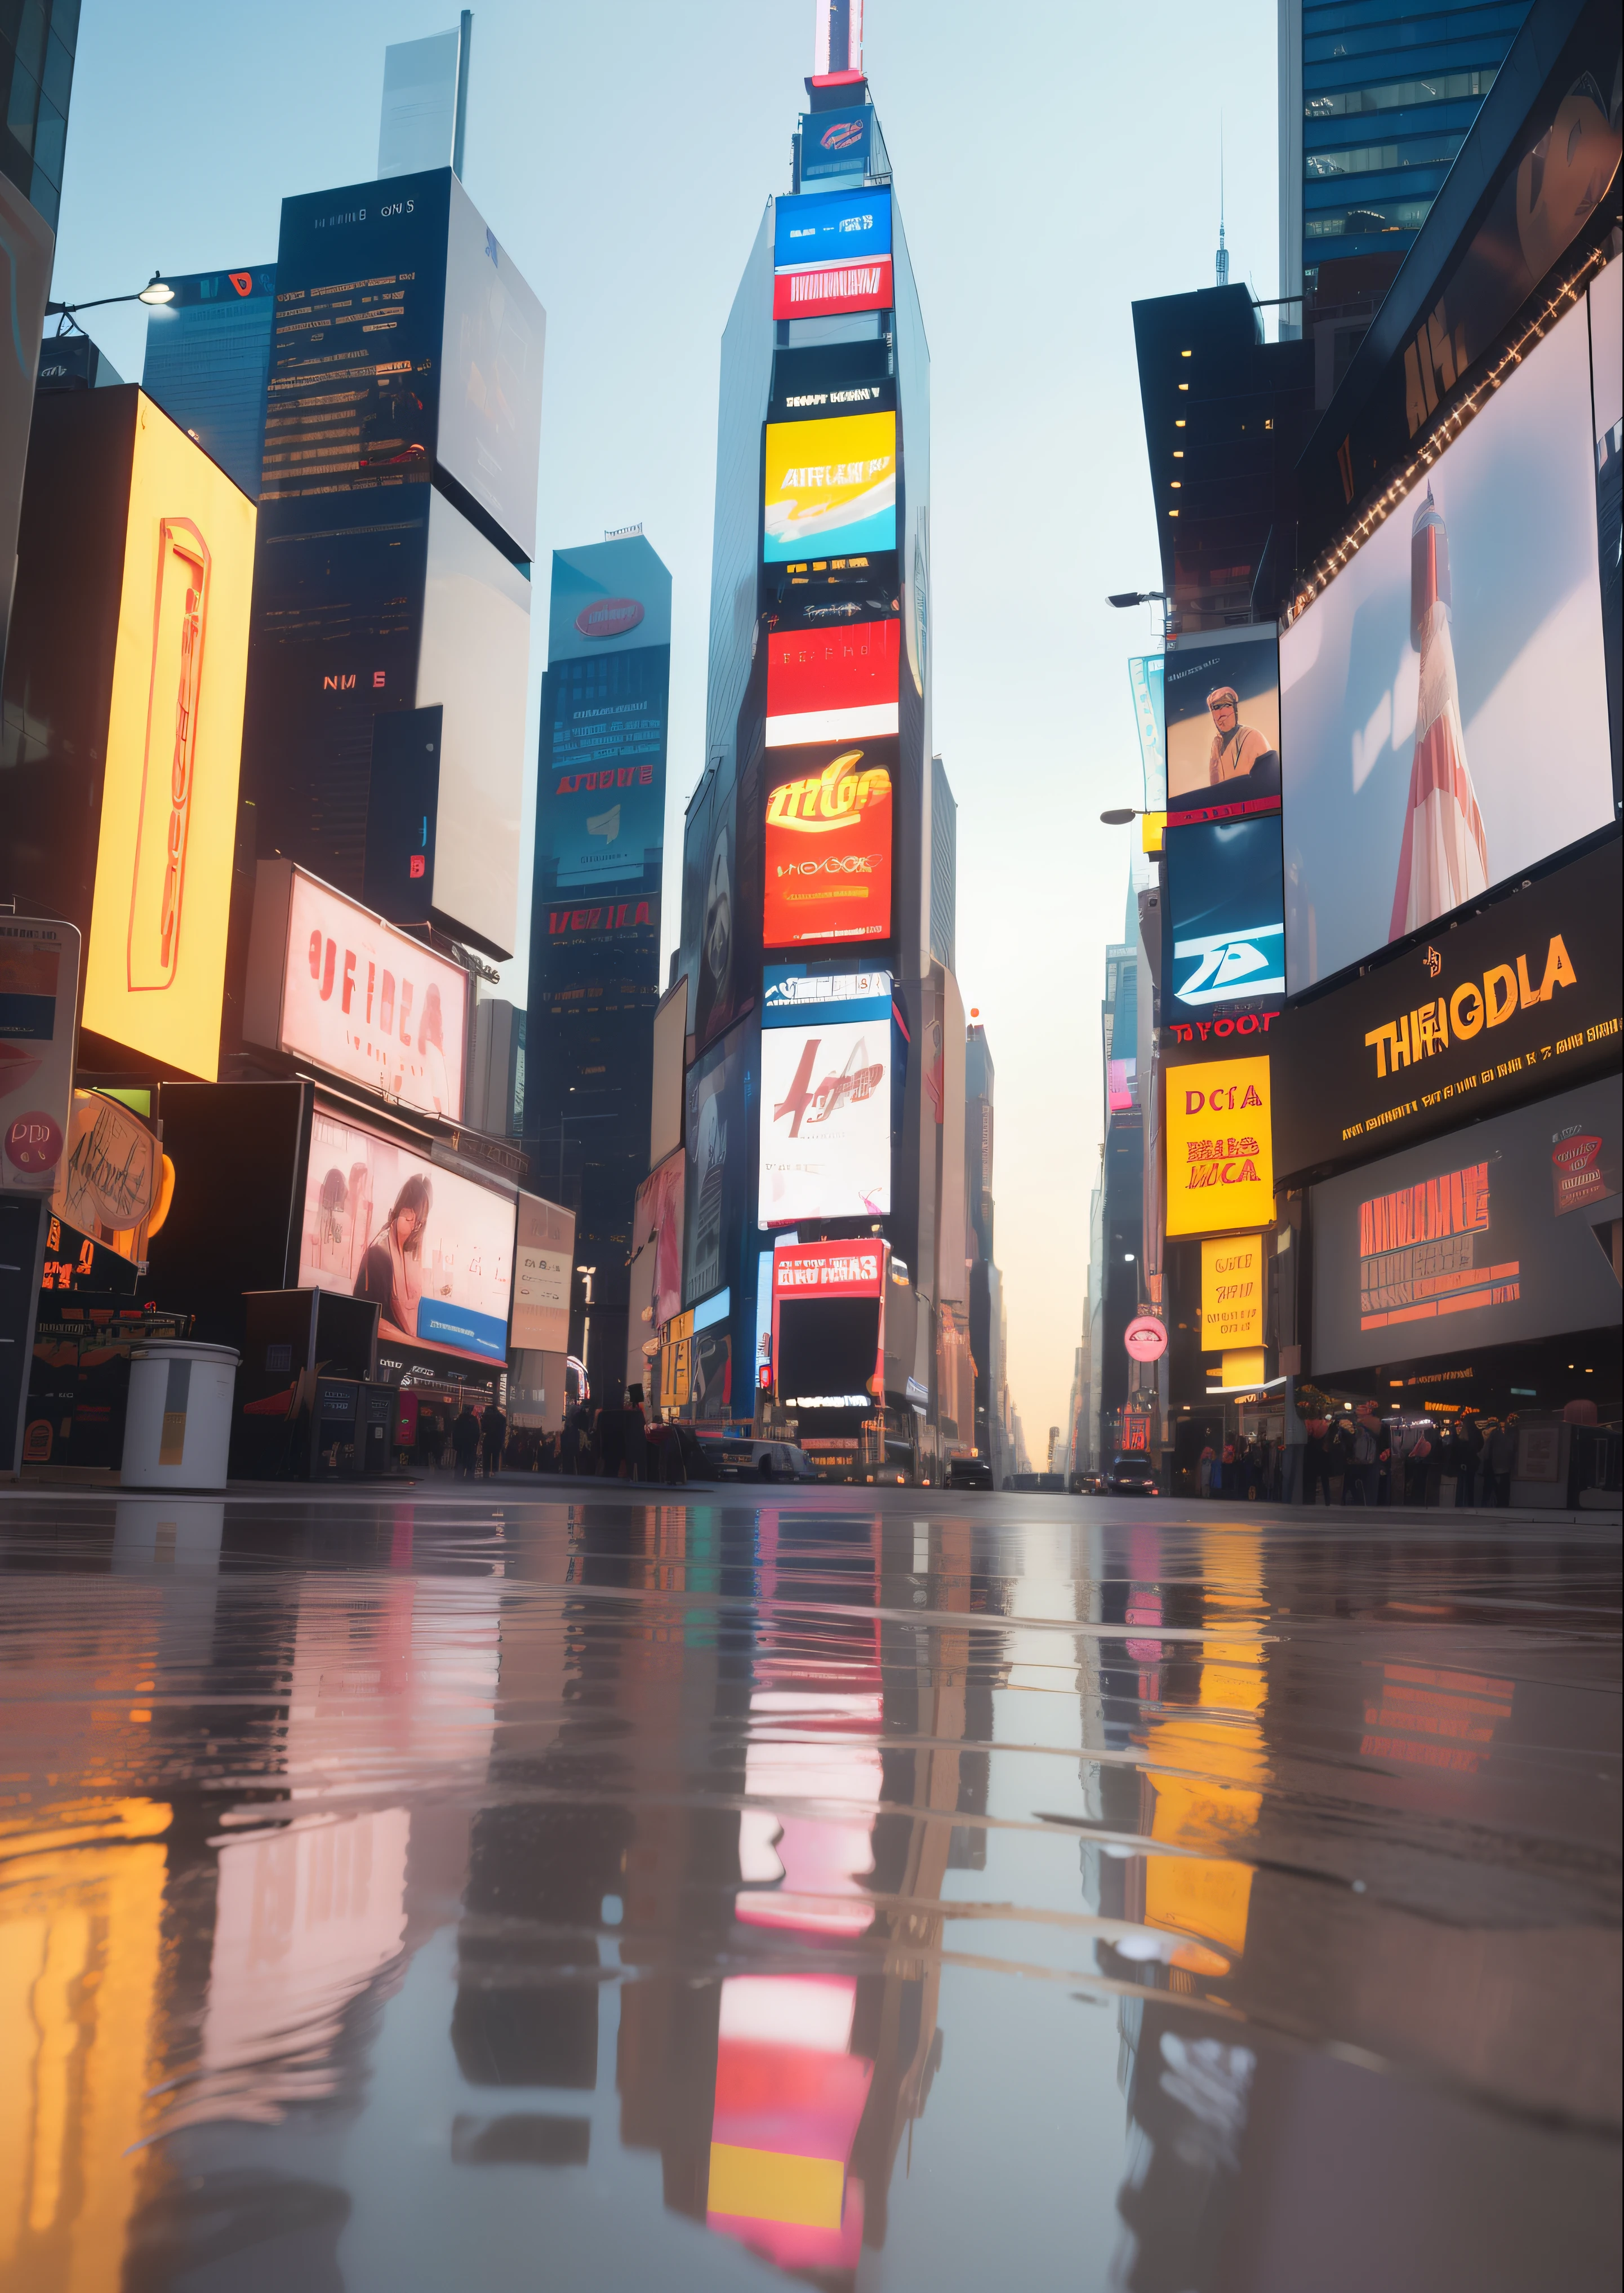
<point>595,913</point>
<point>209,356</point>
<point>37,46</point>
<point>1371,116</point>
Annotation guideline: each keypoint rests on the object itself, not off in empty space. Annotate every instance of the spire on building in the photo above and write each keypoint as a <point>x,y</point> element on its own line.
<point>837,51</point>
<point>1221,261</point>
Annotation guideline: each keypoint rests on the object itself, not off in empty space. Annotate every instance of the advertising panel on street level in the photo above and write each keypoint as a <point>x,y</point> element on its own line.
<point>1525,996</point>
<point>1219,1146</point>
<point>829,487</point>
<point>824,1098</point>
<point>1225,924</point>
<point>433,1250</point>
<point>1220,699</point>
<point>833,684</point>
<point>1445,699</point>
<point>331,982</point>
<point>1474,1238</point>
<point>1234,1285</point>
<point>831,252</point>
<point>39,994</point>
<point>827,857</point>
<point>155,965</point>
<point>543,1263</point>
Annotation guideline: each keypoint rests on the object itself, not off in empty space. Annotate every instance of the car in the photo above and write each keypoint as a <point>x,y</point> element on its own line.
<point>741,1459</point>
<point>1130,1477</point>
<point>1087,1485</point>
<point>969,1473</point>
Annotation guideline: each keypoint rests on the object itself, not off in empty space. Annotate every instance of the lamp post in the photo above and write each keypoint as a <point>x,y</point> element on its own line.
<point>155,293</point>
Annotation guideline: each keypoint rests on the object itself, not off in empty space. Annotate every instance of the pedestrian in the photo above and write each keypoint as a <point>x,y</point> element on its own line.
<point>569,1440</point>
<point>1316,1465</point>
<point>1500,1456</point>
<point>493,1431</point>
<point>635,1435</point>
<point>1363,1468</point>
<point>612,1436</point>
<point>1208,1459</point>
<point>1469,1461</point>
<point>1416,1460</point>
<point>466,1442</point>
<point>1228,1469</point>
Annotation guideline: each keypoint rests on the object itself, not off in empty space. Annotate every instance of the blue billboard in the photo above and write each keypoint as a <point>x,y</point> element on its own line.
<point>830,227</point>
<point>601,812</point>
<point>608,597</point>
<point>834,144</point>
<point>1225,914</point>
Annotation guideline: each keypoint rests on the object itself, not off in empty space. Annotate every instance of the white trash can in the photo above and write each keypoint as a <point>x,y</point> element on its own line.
<point>177,1433</point>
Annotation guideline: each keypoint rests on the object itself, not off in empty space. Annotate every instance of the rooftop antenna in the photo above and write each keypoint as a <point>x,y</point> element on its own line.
<point>1221,263</point>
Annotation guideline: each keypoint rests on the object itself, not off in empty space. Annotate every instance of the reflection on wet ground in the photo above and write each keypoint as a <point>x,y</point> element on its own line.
<point>923,1892</point>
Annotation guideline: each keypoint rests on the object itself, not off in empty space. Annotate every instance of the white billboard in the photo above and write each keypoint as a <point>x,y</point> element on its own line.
<point>826,1120</point>
<point>544,1262</point>
<point>331,982</point>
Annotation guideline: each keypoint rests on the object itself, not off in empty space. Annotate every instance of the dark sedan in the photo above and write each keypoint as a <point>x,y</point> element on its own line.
<point>969,1473</point>
<point>1130,1477</point>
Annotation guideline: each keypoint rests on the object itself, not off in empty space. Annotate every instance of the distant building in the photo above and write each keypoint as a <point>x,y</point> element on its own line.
<point>37,47</point>
<point>208,355</point>
<point>944,868</point>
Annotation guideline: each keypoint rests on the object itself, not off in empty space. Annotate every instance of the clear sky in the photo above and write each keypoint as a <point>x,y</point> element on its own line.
<point>1054,162</point>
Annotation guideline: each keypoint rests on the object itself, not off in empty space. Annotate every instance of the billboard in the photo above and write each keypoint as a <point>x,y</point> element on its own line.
<point>835,143</point>
<point>543,1266</point>
<point>657,1249</point>
<point>1523,997</point>
<point>331,982</point>
<point>1146,678</point>
<point>155,966</point>
<point>1224,917</point>
<point>1221,697</point>
<point>607,597</point>
<point>1472,1239</point>
<point>601,818</point>
<point>1445,699</point>
<point>827,857</point>
<point>717,1152</point>
<point>837,683</point>
<point>39,994</point>
<point>1219,1146</point>
<point>493,341</point>
<point>665,1098</point>
<point>434,1250</point>
<point>1234,1286</point>
<point>826,1094</point>
<point>829,487</point>
<point>831,251</point>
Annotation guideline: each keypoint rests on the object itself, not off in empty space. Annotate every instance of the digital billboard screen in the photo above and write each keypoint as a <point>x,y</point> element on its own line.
<point>831,252</point>
<point>826,1097</point>
<point>827,856</point>
<point>829,487</point>
<point>492,348</point>
<point>1483,1235</point>
<point>431,1249</point>
<point>835,143</point>
<point>836,683</point>
<point>601,816</point>
<point>1220,1146</point>
<point>657,1245</point>
<point>155,965</point>
<point>544,1265</point>
<point>1444,702</point>
<point>1225,926</point>
<point>717,1150</point>
<point>1220,704</point>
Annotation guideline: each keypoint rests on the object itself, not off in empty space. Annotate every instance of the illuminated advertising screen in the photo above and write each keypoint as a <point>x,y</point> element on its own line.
<point>1444,701</point>
<point>155,965</point>
<point>827,856</point>
<point>829,487</point>
<point>831,251</point>
<point>1220,1151</point>
<point>1220,704</point>
<point>825,1098</point>
<point>717,1152</point>
<point>1485,1235</point>
<point>434,1250</point>
<point>330,982</point>
<point>835,143</point>
<point>837,683</point>
<point>657,1247</point>
<point>1224,917</point>
<point>1235,1289</point>
<point>1146,673</point>
<point>39,994</point>
<point>602,817</point>
<point>543,1263</point>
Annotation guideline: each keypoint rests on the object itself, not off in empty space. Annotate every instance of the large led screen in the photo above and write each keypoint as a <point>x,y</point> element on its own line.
<point>1221,702</point>
<point>836,683</point>
<point>1443,701</point>
<point>1225,926</point>
<point>601,816</point>
<point>657,1247</point>
<point>829,487</point>
<point>491,354</point>
<point>155,968</point>
<point>825,1113</point>
<point>544,1262</point>
<point>433,1249</point>
<point>717,1150</point>
<point>826,859</point>
<point>1483,1235</point>
<point>831,251</point>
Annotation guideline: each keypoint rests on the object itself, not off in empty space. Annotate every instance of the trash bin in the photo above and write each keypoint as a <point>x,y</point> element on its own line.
<point>178,1425</point>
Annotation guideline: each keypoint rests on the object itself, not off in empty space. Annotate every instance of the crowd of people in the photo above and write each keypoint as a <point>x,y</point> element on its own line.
<point>613,1440</point>
<point>1362,1459</point>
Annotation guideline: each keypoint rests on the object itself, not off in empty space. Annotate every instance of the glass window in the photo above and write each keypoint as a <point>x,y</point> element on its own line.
<point>1419,151</point>
<point>1441,87</point>
<point>1361,222</point>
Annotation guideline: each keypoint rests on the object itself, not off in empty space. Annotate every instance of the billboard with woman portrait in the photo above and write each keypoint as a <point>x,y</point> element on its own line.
<point>434,1249</point>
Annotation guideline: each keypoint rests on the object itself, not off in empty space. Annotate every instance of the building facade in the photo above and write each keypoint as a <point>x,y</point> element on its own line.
<point>207,361</point>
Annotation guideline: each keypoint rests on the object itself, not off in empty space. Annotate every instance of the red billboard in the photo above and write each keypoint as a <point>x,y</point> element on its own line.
<point>818,292</point>
<point>829,1269</point>
<point>832,684</point>
<point>827,856</point>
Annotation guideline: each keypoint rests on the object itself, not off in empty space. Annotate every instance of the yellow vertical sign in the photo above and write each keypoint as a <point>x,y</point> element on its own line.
<point>1232,1288</point>
<point>1220,1149</point>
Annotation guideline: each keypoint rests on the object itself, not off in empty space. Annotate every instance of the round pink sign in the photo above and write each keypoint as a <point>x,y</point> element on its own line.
<point>1146,1338</point>
<point>34,1142</point>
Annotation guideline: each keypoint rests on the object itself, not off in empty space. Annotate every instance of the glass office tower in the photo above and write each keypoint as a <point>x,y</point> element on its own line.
<point>595,913</point>
<point>37,46</point>
<point>208,354</point>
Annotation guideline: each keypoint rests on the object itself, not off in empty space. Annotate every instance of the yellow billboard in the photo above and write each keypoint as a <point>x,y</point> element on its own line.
<point>155,968</point>
<point>1220,1146</point>
<point>830,488</point>
<point>1233,1281</point>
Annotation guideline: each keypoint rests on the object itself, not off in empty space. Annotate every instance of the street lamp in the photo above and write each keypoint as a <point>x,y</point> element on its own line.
<point>1123,598</point>
<point>155,293</point>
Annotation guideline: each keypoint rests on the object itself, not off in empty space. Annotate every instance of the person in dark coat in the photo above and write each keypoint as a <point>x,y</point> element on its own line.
<point>466,1442</point>
<point>493,1435</point>
<point>636,1436</point>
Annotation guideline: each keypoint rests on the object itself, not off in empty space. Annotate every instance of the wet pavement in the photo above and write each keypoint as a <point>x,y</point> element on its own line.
<point>463,1890</point>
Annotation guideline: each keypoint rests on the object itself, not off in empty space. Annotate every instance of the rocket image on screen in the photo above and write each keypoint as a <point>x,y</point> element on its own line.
<point>1444,857</point>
